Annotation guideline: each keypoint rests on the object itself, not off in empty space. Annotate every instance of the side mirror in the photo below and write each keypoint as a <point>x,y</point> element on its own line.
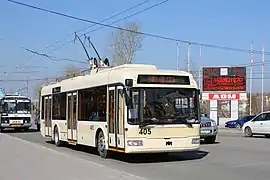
<point>129,82</point>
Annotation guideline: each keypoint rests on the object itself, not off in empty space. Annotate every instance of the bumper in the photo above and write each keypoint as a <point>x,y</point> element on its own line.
<point>162,145</point>
<point>25,125</point>
<point>208,131</point>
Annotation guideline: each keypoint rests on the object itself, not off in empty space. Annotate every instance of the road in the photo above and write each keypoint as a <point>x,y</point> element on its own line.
<point>232,157</point>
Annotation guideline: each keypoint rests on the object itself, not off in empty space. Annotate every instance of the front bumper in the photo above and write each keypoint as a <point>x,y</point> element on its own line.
<point>208,131</point>
<point>25,125</point>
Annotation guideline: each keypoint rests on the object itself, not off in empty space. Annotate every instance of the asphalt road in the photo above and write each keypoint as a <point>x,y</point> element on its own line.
<point>232,157</point>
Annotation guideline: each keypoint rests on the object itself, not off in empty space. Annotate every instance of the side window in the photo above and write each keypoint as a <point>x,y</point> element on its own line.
<point>260,117</point>
<point>267,117</point>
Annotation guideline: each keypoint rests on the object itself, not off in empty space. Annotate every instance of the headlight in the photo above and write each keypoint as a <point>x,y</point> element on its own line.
<point>135,143</point>
<point>214,123</point>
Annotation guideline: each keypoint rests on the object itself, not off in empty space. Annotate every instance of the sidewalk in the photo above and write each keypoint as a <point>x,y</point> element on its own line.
<point>22,160</point>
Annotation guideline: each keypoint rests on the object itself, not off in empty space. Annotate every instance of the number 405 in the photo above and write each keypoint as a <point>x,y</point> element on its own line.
<point>145,131</point>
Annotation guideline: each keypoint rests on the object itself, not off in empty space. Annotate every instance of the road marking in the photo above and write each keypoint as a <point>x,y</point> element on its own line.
<point>68,156</point>
<point>250,165</point>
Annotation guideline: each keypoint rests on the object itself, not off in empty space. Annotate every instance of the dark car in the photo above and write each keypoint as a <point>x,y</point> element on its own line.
<point>238,123</point>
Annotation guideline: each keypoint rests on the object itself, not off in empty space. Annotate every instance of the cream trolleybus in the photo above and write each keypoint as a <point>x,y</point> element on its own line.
<point>131,108</point>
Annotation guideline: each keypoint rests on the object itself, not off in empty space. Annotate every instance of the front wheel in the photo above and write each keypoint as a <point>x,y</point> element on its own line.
<point>210,139</point>
<point>57,141</point>
<point>238,126</point>
<point>248,132</point>
<point>101,145</point>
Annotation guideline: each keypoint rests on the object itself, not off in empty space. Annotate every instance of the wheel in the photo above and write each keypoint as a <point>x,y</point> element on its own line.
<point>210,139</point>
<point>267,135</point>
<point>38,127</point>
<point>101,145</point>
<point>238,126</point>
<point>1,130</point>
<point>57,141</point>
<point>248,132</point>
<point>26,129</point>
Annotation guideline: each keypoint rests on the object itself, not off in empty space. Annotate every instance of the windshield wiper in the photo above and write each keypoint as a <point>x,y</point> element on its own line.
<point>184,120</point>
<point>146,122</point>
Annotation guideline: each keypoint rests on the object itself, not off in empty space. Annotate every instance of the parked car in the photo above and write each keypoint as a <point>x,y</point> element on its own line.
<point>209,130</point>
<point>260,125</point>
<point>238,123</point>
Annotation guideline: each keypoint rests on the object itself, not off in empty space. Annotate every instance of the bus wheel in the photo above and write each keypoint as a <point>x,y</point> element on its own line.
<point>101,145</point>
<point>57,141</point>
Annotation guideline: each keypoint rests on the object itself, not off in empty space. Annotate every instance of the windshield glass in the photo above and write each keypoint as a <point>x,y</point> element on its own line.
<point>9,107</point>
<point>23,107</point>
<point>163,105</point>
<point>14,106</point>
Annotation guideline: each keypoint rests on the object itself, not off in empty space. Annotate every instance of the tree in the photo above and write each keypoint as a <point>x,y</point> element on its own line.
<point>71,71</point>
<point>125,44</point>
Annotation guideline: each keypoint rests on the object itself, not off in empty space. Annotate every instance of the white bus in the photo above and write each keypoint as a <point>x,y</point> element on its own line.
<point>129,108</point>
<point>15,112</point>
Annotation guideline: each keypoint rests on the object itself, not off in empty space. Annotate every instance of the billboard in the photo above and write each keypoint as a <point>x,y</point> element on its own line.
<point>224,78</point>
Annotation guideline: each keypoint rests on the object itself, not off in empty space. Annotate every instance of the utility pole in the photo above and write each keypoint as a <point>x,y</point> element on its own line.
<point>177,55</point>
<point>188,58</point>
<point>27,84</point>
<point>250,80</point>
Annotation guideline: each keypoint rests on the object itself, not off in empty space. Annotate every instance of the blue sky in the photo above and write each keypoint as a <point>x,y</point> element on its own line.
<point>228,23</point>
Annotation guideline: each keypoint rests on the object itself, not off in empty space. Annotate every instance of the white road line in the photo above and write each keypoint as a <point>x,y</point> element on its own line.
<point>68,156</point>
<point>250,165</point>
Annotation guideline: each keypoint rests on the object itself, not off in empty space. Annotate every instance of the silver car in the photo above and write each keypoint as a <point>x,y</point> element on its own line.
<point>209,130</point>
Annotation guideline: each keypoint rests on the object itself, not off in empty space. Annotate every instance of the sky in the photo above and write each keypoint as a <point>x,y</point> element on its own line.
<point>223,22</point>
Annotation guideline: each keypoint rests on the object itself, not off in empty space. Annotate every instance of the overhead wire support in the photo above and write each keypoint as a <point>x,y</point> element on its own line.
<point>138,32</point>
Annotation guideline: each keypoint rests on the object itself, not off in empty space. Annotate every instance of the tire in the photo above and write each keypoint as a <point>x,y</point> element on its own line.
<point>101,145</point>
<point>38,127</point>
<point>248,132</point>
<point>26,129</point>
<point>1,130</point>
<point>57,141</point>
<point>210,139</point>
<point>267,135</point>
<point>238,126</point>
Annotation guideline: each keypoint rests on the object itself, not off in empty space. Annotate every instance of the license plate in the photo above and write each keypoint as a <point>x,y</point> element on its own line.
<point>16,121</point>
<point>205,131</point>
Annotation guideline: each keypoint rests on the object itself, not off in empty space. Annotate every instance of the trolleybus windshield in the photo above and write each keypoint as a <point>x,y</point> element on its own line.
<point>163,106</point>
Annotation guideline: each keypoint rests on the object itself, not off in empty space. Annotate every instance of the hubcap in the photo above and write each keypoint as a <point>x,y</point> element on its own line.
<point>101,144</point>
<point>56,137</point>
<point>248,132</point>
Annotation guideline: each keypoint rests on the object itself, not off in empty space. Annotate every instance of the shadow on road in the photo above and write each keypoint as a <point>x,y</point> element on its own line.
<point>145,158</point>
<point>18,131</point>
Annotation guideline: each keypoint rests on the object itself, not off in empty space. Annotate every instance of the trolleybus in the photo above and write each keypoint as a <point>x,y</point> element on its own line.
<point>132,108</point>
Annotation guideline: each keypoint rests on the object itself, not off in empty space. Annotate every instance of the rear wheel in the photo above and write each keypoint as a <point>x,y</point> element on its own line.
<point>57,141</point>
<point>210,139</point>
<point>248,132</point>
<point>101,145</point>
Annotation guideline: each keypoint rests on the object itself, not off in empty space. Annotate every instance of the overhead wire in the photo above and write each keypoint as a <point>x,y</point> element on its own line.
<point>66,37</point>
<point>121,19</point>
<point>139,32</point>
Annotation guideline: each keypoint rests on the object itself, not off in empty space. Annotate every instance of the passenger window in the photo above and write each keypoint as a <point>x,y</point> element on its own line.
<point>267,117</point>
<point>260,117</point>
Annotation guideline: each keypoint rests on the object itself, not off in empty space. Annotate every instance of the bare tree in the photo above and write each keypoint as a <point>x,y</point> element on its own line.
<point>126,43</point>
<point>71,71</point>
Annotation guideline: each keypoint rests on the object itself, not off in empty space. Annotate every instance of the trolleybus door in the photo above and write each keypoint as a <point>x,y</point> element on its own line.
<point>116,117</point>
<point>72,116</point>
<point>48,116</point>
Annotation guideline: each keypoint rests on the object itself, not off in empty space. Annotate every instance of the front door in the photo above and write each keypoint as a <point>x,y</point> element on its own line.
<point>72,116</point>
<point>48,116</point>
<point>116,117</point>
